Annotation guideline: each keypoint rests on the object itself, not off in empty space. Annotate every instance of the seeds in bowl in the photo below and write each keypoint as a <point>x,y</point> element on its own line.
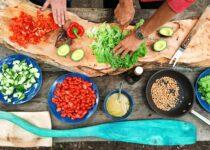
<point>165,93</point>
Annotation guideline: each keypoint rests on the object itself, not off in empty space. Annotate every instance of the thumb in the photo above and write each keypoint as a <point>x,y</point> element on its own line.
<point>46,4</point>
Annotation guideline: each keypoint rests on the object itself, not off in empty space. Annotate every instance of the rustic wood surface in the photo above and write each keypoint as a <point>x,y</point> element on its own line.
<point>107,83</point>
<point>14,136</point>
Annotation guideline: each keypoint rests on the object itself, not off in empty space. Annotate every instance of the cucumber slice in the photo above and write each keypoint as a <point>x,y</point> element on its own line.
<point>166,31</point>
<point>63,50</point>
<point>160,45</point>
<point>77,55</point>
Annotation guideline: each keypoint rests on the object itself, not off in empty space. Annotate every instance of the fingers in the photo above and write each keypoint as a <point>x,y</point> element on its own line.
<point>117,48</point>
<point>46,4</point>
<point>120,50</point>
<point>62,17</point>
<point>55,17</point>
<point>125,52</point>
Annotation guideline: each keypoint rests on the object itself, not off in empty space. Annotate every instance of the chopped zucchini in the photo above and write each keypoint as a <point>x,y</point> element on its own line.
<point>77,55</point>
<point>166,31</point>
<point>16,80</point>
<point>63,50</point>
<point>160,45</point>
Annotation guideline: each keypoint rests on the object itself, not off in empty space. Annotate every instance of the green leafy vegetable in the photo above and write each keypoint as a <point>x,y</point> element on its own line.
<point>106,38</point>
<point>139,24</point>
<point>204,88</point>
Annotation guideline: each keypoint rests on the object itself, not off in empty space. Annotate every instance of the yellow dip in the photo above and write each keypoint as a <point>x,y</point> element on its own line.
<point>117,107</point>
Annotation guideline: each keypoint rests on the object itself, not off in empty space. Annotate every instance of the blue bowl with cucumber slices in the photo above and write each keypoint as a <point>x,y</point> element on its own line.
<point>20,79</point>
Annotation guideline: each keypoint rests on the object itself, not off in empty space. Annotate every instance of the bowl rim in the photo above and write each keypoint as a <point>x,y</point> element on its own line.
<point>131,101</point>
<point>40,78</point>
<point>51,105</point>
<point>201,101</point>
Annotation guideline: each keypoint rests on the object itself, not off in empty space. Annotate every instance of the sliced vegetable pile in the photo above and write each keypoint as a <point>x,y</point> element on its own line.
<point>15,81</point>
<point>74,97</point>
<point>204,88</point>
<point>106,38</point>
<point>28,30</point>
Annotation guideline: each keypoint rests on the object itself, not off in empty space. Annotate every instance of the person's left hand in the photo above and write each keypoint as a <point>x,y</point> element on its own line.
<point>58,10</point>
<point>127,46</point>
<point>124,12</point>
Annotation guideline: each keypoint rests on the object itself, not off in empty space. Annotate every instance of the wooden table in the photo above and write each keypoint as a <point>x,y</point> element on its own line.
<point>107,83</point>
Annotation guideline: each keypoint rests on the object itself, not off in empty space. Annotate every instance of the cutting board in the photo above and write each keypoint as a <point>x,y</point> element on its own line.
<point>196,55</point>
<point>12,135</point>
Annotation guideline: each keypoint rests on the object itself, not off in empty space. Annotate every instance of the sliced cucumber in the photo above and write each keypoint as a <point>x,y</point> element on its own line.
<point>77,55</point>
<point>160,45</point>
<point>63,50</point>
<point>166,31</point>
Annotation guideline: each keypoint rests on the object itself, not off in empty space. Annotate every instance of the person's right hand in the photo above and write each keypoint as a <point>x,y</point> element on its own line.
<point>124,12</point>
<point>58,9</point>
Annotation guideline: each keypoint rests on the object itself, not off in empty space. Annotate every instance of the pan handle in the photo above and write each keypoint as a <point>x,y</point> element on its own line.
<point>207,121</point>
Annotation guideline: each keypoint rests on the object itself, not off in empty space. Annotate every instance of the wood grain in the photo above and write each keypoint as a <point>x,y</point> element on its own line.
<point>108,83</point>
<point>14,136</point>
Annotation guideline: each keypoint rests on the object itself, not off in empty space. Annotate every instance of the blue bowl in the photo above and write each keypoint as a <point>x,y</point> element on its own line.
<point>53,106</point>
<point>30,93</point>
<point>202,102</point>
<point>130,98</point>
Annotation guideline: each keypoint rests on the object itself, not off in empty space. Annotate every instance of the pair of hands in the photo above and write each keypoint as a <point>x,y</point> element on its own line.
<point>124,14</point>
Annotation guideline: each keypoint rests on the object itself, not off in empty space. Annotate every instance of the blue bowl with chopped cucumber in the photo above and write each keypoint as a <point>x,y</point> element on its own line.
<point>20,79</point>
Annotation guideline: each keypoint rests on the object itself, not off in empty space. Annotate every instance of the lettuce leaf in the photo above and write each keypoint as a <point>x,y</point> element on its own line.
<point>106,38</point>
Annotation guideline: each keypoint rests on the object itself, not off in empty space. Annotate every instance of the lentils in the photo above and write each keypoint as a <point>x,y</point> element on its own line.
<point>165,93</point>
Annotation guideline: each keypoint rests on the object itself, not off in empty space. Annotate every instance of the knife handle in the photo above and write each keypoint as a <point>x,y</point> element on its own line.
<point>186,41</point>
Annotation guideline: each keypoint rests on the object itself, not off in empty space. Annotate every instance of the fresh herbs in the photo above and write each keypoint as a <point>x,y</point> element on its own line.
<point>106,38</point>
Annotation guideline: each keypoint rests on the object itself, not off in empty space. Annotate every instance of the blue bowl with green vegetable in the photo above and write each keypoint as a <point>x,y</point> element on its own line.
<point>202,89</point>
<point>20,79</point>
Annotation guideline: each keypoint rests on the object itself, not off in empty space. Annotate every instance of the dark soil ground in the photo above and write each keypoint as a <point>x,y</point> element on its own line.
<point>116,146</point>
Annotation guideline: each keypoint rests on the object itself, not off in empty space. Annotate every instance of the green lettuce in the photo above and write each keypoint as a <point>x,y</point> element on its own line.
<point>106,38</point>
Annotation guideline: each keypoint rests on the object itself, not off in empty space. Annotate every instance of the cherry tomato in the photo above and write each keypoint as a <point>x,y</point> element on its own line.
<point>74,97</point>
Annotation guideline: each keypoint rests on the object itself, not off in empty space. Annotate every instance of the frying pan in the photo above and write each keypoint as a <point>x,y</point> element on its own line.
<point>185,99</point>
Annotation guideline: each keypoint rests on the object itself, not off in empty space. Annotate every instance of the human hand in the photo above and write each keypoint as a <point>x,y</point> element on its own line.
<point>58,10</point>
<point>124,12</point>
<point>127,46</point>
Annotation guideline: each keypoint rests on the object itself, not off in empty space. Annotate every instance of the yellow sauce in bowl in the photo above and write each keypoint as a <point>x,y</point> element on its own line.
<point>117,107</point>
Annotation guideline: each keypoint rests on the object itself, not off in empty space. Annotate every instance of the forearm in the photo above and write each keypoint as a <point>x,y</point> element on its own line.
<point>161,16</point>
<point>126,2</point>
<point>165,13</point>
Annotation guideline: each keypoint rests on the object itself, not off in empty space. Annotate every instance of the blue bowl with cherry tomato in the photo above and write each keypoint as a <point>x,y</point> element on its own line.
<point>73,98</point>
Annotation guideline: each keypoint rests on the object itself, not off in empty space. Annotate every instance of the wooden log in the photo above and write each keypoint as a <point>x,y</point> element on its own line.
<point>45,51</point>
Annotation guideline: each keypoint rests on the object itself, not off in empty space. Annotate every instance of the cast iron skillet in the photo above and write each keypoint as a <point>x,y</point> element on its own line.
<point>186,93</point>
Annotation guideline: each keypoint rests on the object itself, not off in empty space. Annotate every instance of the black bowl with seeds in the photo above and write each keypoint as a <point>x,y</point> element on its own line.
<point>170,93</point>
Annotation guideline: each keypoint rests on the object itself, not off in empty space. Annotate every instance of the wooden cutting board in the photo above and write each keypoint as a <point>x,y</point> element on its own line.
<point>196,55</point>
<point>12,135</point>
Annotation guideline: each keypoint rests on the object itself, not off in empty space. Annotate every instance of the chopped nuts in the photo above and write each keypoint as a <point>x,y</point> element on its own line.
<point>165,93</point>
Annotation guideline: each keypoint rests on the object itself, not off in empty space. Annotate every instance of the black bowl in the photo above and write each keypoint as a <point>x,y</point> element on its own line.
<point>186,93</point>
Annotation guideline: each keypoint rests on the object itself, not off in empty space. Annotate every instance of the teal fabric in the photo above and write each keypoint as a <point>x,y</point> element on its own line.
<point>152,132</point>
